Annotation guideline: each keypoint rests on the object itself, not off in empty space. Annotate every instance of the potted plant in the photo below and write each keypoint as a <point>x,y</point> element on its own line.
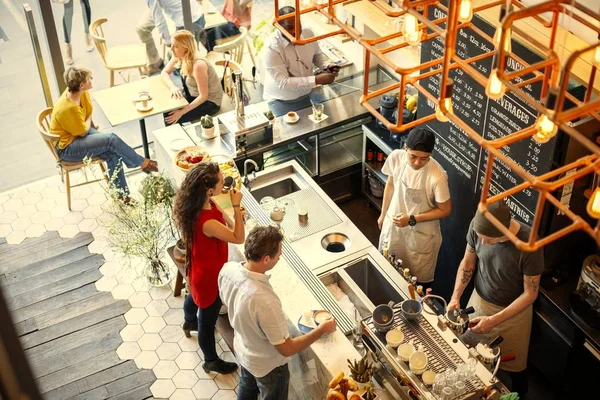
<point>145,228</point>
<point>208,126</point>
<point>369,393</point>
<point>361,371</point>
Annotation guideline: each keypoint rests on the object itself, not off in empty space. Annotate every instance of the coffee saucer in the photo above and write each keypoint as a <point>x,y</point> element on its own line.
<point>141,108</point>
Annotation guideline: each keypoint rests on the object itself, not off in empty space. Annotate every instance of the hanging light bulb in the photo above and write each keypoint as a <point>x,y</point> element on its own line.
<point>545,128</point>
<point>593,205</point>
<point>507,42</point>
<point>494,88</point>
<point>465,11</point>
<point>447,103</point>
<point>412,34</point>
<point>596,60</point>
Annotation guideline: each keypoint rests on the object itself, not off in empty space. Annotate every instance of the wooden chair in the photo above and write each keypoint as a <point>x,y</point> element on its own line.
<point>118,58</point>
<point>229,67</point>
<point>234,49</point>
<point>43,125</point>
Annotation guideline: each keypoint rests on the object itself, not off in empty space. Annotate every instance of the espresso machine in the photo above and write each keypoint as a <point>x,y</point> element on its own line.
<point>585,301</point>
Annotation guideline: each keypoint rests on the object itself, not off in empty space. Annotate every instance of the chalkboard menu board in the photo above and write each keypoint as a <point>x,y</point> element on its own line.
<point>464,161</point>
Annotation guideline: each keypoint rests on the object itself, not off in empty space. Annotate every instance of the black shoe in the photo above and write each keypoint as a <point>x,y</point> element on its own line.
<point>220,366</point>
<point>190,326</point>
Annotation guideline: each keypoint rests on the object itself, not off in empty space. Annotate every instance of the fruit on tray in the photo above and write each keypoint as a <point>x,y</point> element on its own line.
<point>340,386</point>
<point>189,157</point>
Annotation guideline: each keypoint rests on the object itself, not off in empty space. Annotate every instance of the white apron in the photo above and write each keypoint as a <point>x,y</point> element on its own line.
<point>417,246</point>
<point>515,331</point>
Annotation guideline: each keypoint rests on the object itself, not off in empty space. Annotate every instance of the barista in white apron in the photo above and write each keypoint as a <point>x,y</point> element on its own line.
<point>416,196</point>
<point>506,285</point>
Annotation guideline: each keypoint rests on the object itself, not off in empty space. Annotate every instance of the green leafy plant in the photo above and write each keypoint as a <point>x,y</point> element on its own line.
<point>207,122</point>
<point>260,34</point>
<point>362,370</point>
<point>369,392</point>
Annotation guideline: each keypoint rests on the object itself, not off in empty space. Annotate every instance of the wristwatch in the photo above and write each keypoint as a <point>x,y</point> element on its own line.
<point>412,221</point>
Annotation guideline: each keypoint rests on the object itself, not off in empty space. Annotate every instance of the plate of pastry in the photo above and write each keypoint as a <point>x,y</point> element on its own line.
<point>190,157</point>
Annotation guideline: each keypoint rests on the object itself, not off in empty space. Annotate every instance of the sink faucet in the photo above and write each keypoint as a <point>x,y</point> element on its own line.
<point>246,179</point>
<point>238,89</point>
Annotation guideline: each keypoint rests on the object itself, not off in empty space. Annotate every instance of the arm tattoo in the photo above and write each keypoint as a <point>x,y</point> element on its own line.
<point>532,282</point>
<point>466,276</point>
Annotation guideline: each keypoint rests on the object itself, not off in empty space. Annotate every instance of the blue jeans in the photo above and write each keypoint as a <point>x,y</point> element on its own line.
<point>220,32</point>
<point>207,322</point>
<point>108,147</point>
<point>273,386</point>
<point>67,21</point>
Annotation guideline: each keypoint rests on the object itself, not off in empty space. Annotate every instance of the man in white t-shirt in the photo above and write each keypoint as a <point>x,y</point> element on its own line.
<point>261,340</point>
<point>415,198</point>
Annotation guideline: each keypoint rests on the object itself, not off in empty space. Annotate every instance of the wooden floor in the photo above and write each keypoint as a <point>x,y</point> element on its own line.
<point>68,329</point>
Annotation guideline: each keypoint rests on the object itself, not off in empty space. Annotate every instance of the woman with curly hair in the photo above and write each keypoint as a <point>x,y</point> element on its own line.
<point>206,231</point>
<point>201,84</point>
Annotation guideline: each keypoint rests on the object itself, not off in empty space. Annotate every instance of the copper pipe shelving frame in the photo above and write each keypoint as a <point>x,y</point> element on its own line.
<point>548,71</point>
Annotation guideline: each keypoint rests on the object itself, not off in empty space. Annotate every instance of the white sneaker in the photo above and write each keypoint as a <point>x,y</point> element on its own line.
<point>223,310</point>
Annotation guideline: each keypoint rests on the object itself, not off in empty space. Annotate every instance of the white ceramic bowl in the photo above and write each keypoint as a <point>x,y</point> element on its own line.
<point>394,337</point>
<point>418,362</point>
<point>405,350</point>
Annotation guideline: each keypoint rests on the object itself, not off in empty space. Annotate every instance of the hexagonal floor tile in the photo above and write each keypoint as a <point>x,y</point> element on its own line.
<point>228,356</point>
<point>153,324</point>
<point>97,199</point>
<point>140,299</point>
<point>128,350</point>
<point>40,217</point>
<point>98,246</point>
<point>15,237</point>
<point>7,217</point>
<point>228,381</point>
<point>74,217</point>
<point>26,211</point>
<point>162,388</point>
<point>205,389</point>
<point>204,375</point>
<point>171,333</point>
<point>127,275</point>
<point>225,395</point>
<point>132,333</point>
<point>106,283</point>
<point>31,198</point>
<point>51,192</point>
<point>146,360</point>
<point>46,205</point>
<point>165,369</point>
<point>110,268</point>
<point>185,379</point>
<point>13,205</point>
<point>5,229</point>
<point>157,308</point>
<point>37,187</point>
<point>187,360</point>
<point>18,193</point>
<point>92,212</point>
<point>68,231</point>
<point>140,284</point>
<point>35,230</point>
<point>78,204</point>
<point>135,316</point>
<point>150,341</point>
<point>168,351</point>
<point>4,199</point>
<point>21,223</point>
<point>54,224</point>
<point>174,316</point>
<point>183,394</point>
<point>82,192</point>
<point>160,293</point>
<point>188,344</point>
<point>175,302</point>
<point>88,225</point>
<point>59,210</point>
<point>122,291</point>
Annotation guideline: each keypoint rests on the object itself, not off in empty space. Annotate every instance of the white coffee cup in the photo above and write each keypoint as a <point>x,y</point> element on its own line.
<point>418,361</point>
<point>144,98</point>
<point>405,350</point>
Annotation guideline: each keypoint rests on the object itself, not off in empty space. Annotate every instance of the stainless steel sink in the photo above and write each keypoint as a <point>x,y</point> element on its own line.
<point>372,282</point>
<point>277,183</point>
<point>277,189</point>
<point>364,283</point>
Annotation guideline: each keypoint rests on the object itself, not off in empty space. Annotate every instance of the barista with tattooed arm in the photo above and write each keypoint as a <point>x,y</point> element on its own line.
<point>506,285</point>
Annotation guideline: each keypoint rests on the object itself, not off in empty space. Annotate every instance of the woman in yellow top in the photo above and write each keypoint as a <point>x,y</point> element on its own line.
<point>79,137</point>
<point>201,84</point>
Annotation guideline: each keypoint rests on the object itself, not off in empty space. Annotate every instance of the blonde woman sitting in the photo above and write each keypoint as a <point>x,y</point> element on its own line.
<point>79,137</point>
<point>201,85</point>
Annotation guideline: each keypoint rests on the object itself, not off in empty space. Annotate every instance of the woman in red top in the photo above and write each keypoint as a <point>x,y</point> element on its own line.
<point>206,230</point>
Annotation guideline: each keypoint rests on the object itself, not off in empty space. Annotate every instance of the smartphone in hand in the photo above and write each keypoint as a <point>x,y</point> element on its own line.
<point>334,69</point>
